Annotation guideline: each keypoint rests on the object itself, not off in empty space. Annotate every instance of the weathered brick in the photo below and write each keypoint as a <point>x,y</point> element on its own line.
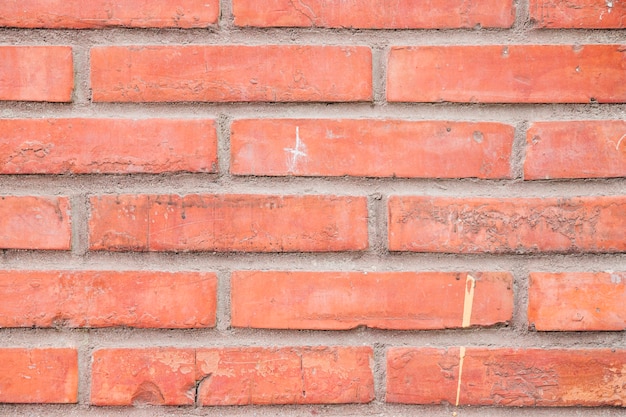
<point>507,225</point>
<point>36,73</point>
<point>316,375</point>
<point>35,223</point>
<point>386,300</point>
<point>375,14</point>
<point>38,375</point>
<point>506,377</point>
<point>223,223</point>
<point>116,146</point>
<point>580,149</point>
<point>508,74</point>
<point>232,376</point>
<point>575,301</point>
<point>574,14</point>
<point>107,298</point>
<point>163,376</point>
<point>371,148</point>
<point>93,14</point>
<point>225,73</point>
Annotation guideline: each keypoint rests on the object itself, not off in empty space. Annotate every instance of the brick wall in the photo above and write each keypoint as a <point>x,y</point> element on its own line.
<point>312,207</point>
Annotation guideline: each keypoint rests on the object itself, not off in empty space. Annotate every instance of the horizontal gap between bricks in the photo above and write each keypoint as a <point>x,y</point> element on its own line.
<point>181,184</point>
<point>499,337</point>
<point>469,112</point>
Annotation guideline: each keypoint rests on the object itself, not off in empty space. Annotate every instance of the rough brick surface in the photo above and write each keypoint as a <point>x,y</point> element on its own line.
<point>581,149</point>
<point>38,375</point>
<point>508,74</point>
<point>107,298</point>
<point>35,223</point>
<point>77,14</point>
<point>576,301</point>
<point>117,146</point>
<point>506,377</point>
<point>232,376</point>
<point>387,300</point>
<point>375,14</point>
<point>516,225</point>
<point>36,73</point>
<point>588,14</point>
<point>231,73</point>
<point>226,223</point>
<point>371,148</point>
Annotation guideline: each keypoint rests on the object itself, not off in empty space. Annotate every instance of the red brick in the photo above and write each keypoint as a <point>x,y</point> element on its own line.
<point>107,298</point>
<point>223,223</point>
<point>36,73</point>
<point>507,225</point>
<point>232,376</point>
<point>386,300</point>
<point>575,301</point>
<point>35,223</point>
<point>317,375</point>
<point>507,377</point>
<point>38,375</point>
<point>375,14</point>
<point>231,73</point>
<point>115,146</point>
<point>508,74</point>
<point>163,376</point>
<point>581,149</point>
<point>371,148</point>
<point>573,14</point>
<point>77,14</point>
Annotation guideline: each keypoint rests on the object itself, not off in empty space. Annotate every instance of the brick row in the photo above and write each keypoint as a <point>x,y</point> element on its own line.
<point>304,147</point>
<point>319,223</point>
<point>370,14</point>
<point>475,376</point>
<point>286,73</point>
<point>329,300</point>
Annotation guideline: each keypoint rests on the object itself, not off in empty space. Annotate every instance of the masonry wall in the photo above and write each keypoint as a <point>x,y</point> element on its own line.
<point>312,208</point>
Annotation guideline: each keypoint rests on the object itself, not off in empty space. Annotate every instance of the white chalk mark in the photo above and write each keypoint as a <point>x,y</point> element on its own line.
<point>619,142</point>
<point>298,151</point>
<point>609,5</point>
<point>458,388</point>
<point>468,302</point>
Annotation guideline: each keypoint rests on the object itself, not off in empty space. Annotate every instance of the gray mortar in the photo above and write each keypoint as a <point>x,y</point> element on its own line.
<point>376,258</point>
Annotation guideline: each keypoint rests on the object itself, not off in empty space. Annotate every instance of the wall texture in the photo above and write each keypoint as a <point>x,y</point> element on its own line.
<point>312,207</point>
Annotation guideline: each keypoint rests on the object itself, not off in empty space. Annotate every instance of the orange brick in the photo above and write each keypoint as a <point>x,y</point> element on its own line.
<point>575,301</point>
<point>115,146</point>
<point>318,375</point>
<point>508,74</point>
<point>35,223</point>
<point>375,14</point>
<point>232,376</point>
<point>386,300</point>
<point>162,376</point>
<point>574,14</point>
<point>107,298</point>
<point>581,149</point>
<point>231,73</point>
<point>36,73</point>
<point>513,225</point>
<point>507,377</point>
<point>223,223</point>
<point>38,375</point>
<point>77,14</point>
<point>371,148</point>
